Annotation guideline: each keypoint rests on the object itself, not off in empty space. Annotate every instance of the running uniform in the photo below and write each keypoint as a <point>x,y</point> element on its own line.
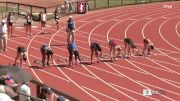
<point>112,43</point>
<point>95,47</point>
<point>10,20</point>
<point>74,49</point>
<point>45,50</point>
<point>20,49</point>
<point>129,42</point>
<point>29,20</point>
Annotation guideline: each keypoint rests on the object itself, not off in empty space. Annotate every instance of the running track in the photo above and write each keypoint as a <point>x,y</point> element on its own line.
<point>124,79</point>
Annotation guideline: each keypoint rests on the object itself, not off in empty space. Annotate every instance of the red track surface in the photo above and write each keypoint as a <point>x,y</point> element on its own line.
<point>124,79</point>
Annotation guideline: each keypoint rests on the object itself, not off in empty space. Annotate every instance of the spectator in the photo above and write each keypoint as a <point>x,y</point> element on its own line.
<point>43,22</point>
<point>46,94</point>
<point>5,97</point>
<point>57,17</point>
<point>28,23</point>
<point>46,51</point>
<point>129,45</point>
<point>95,47</point>
<point>115,49</point>
<point>3,36</point>
<point>22,54</point>
<point>25,90</point>
<point>72,48</point>
<point>70,30</point>
<point>10,21</point>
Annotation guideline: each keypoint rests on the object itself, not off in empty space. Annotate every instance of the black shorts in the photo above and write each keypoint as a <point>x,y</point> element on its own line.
<point>151,46</point>
<point>28,23</point>
<point>10,23</point>
<point>76,53</point>
<point>20,49</point>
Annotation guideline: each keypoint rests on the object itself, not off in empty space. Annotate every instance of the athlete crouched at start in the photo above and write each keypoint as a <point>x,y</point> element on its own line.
<point>46,51</point>
<point>129,45</point>
<point>95,48</point>
<point>115,49</point>
<point>22,54</point>
<point>72,48</point>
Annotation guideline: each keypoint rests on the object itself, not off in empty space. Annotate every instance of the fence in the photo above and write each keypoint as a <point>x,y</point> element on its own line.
<point>96,4</point>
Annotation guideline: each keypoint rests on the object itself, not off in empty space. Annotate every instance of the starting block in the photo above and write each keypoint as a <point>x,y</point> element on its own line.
<point>37,62</point>
<point>84,58</point>
<point>105,56</point>
<point>149,92</point>
<point>64,60</point>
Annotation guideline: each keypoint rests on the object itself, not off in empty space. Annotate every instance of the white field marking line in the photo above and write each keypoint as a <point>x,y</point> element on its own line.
<point>108,83</point>
<point>54,75</point>
<point>61,56</point>
<point>127,76</point>
<point>28,57</point>
<point>148,18</point>
<point>81,73</point>
<point>152,74</point>
<point>105,71</point>
<point>165,17</point>
<point>163,66</point>
<point>130,24</point>
<point>160,33</point>
<point>66,68</point>
<point>76,83</point>
<point>132,91</point>
<point>100,93</point>
<point>143,34</point>
<point>132,19</point>
<point>128,68</point>
<point>176,29</point>
<point>159,88</point>
<point>106,54</point>
<point>171,81</point>
<point>57,55</point>
<point>68,76</point>
<point>60,35</point>
<point>166,62</point>
<point>116,20</point>
<point>151,66</point>
<point>117,23</point>
<point>145,17</point>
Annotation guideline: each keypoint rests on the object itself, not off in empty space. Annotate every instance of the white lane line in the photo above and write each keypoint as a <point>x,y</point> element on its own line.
<point>76,83</point>
<point>161,34</point>
<point>166,63</point>
<point>160,88</point>
<point>163,66</point>
<point>128,68</point>
<point>171,81</point>
<point>105,71</point>
<point>108,84</point>
<point>132,91</point>
<point>143,34</point>
<point>176,29</point>
<point>150,66</point>
<point>100,93</point>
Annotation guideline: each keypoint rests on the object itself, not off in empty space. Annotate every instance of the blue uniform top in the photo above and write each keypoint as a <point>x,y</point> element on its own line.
<point>73,46</point>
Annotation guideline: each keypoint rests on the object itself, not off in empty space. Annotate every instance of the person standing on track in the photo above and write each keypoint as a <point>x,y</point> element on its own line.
<point>70,30</point>
<point>43,22</point>
<point>10,21</point>
<point>95,48</point>
<point>28,23</point>
<point>46,51</point>
<point>129,44</point>
<point>3,35</point>
<point>57,17</point>
<point>72,48</point>
<point>22,54</point>
<point>115,49</point>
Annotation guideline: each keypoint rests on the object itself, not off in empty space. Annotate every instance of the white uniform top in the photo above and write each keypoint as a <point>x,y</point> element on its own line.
<point>3,28</point>
<point>44,17</point>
